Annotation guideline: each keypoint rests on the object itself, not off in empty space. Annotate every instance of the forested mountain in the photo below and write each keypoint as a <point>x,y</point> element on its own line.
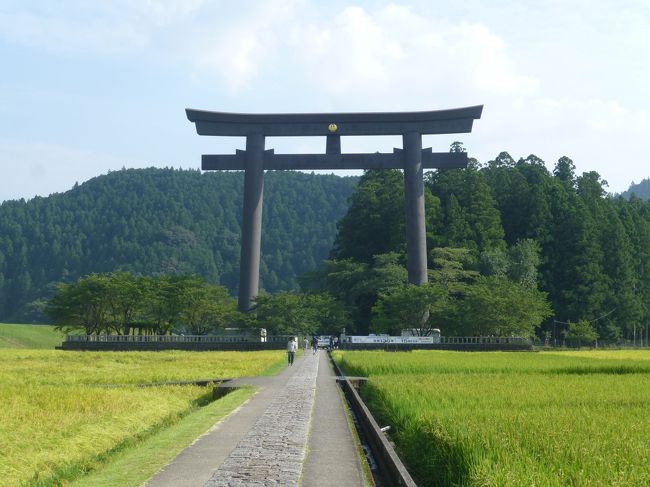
<point>641,190</point>
<point>163,221</point>
<point>593,248</point>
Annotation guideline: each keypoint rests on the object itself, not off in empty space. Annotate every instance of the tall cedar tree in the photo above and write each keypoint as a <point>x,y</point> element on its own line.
<point>375,221</point>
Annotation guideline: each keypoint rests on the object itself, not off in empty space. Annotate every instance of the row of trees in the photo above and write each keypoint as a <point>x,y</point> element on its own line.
<point>361,298</point>
<point>123,304</point>
<point>461,301</point>
<point>458,298</point>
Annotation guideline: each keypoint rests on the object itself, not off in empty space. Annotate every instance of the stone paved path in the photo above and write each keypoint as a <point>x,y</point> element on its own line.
<point>273,451</point>
<point>275,439</point>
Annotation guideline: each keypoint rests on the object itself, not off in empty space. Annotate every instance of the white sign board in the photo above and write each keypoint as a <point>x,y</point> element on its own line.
<point>388,339</point>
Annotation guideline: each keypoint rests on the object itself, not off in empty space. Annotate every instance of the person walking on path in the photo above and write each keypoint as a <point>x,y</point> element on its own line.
<point>291,349</point>
<point>305,342</point>
<point>314,345</point>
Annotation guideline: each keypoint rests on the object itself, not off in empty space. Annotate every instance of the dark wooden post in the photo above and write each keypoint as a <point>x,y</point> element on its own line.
<point>249,267</point>
<point>416,237</point>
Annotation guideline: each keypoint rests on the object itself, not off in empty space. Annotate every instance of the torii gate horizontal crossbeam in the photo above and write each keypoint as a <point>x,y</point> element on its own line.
<point>272,161</point>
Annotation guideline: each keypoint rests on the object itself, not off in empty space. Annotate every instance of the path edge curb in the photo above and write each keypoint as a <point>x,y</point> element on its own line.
<point>393,470</point>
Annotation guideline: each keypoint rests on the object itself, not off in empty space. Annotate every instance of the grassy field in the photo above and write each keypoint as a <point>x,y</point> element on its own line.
<point>59,420</point>
<point>513,419</point>
<point>29,336</point>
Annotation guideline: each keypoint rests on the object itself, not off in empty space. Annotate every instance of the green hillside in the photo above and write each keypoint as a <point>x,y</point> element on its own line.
<point>163,221</point>
<point>29,336</point>
<point>640,190</point>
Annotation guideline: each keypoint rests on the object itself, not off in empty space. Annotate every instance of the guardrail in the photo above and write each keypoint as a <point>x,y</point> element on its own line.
<point>173,339</point>
<point>485,340</point>
<point>274,342</point>
<point>273,339</point>
<point>467,344</point>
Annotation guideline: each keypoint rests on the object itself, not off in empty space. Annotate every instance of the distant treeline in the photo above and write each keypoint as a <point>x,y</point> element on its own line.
<point>156,222</point>
<point>641,190</point>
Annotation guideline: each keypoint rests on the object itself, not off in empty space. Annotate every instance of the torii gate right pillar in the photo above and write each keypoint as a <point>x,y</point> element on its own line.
<point>416,237</point>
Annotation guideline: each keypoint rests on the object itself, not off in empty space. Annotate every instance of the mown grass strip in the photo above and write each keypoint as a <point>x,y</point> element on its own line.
<point>29,336</point>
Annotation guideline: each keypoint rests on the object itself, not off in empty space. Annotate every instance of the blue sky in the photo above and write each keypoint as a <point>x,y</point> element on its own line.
<point>88,87</point>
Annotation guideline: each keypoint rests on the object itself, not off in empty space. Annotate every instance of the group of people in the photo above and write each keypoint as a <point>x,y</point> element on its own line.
<point>334,342</point>
<point>292,346</point>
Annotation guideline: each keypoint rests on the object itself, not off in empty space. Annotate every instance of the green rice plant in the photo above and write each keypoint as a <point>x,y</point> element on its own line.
<point>441,362</point>
<point>57,367</point>
<point>59,420</point>
<point>528,419</point>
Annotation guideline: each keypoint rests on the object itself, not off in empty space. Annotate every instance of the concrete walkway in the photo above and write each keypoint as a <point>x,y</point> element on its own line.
<point>332,458</point>
<point>268,442</point>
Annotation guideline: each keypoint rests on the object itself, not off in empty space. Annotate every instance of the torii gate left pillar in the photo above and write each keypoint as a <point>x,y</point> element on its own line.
<point>249,270</point>
<point>412,159</point>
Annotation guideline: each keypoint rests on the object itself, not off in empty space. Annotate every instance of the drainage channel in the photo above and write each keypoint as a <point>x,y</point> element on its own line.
<point>386,467</point>
<point>367,451</point>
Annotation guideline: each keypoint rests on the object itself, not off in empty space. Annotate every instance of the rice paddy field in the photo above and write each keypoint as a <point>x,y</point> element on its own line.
<point>513,419</point>
<point>63,414</point>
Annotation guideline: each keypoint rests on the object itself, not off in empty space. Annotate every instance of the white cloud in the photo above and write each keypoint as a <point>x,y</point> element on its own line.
<point>393,57</point>
<point>236,57</point>
<point>50,168</point>
<point>599,135</point>
<point>549,84</point>
<point>92,27</point>
<point>244,49</point>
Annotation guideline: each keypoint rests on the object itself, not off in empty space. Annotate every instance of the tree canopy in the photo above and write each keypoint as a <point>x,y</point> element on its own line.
<point>556,239</point>
<point>120,303</point>
<point>152,222</point>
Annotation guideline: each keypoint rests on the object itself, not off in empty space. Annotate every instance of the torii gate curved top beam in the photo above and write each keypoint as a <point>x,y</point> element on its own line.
<point>255,160</point>
<point>454,121</point>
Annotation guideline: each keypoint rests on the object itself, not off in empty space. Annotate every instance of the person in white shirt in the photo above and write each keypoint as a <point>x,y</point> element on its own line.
<point>291,349</point>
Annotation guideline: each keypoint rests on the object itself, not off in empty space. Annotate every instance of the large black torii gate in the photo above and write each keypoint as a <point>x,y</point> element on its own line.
<point>255,160</point>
